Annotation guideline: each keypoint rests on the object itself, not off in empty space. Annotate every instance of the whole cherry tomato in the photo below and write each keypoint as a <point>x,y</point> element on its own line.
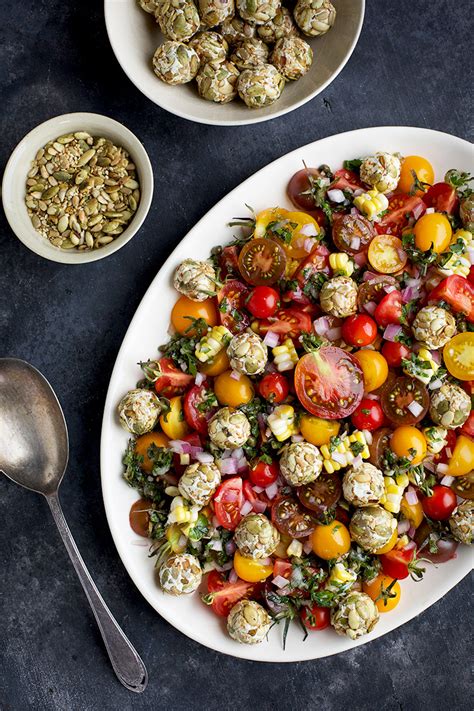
<point>394,352</point>
<point>359,330</point>
<point>384,591</point>
<point>368,415</point>
<point>263,301</point>
<point>423,170</point>
<point>315,617</point>
<point>395,563</point>
<point>441,504</point>
<point>274,387</point>
<point>390,309</point>
<point>263,474</point>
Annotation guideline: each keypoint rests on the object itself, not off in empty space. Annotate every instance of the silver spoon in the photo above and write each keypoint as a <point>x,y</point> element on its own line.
<point>34,451</point>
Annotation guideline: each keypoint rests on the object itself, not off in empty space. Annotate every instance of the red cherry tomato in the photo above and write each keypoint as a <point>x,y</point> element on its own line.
<point>263,474</point>
<point>171,380</point>
<point>263,301</point>
<point>442,197</point>
<point>468,426</point>
<point>282,568</point>
<point>288,323</point>
<point>346,180</point>
<point>441,504</point>
<point>231,300</point>
<point>368,415</point>
<point>299,188</point>
<point>315,617</point>
<point>259,501</point>
<point>400,209</point>
<point>197,417</point>
<point>395,562</point>
<point>458,292</point>
<point>225,595</point>
<point>228,501</point>
<point>317,261</point>
<point>393,352</point>
<point>390,309</point>
<point>470,277</point>
<point>229,262</point>
<point>194,440</point>
<point>359,330</point>
<point>274,387</point>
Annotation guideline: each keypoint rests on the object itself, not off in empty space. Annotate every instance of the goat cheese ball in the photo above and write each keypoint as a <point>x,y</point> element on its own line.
<point>381,171</point>
<point>314,17</point>
<point>247,353</point>
<point>338,296</point>
<point>450,406</point>
<point>235,30</point>
<point>180,574</point>
<point>292,56</point>
<point>363,485</point>
<point>248,622</point>
<point>461,523</point>
<point>198,483</point>
<point>372,527</point>
<point>281,25</point>
<point>249,54</point>
<point>209,46</point>
<point>300,463</point>
<point>195,279</point>
<point>213,12</point>
<point>217,81</point>
<point>229,429</point>
<point>175,63</point>
<point>149,5</point>
<point>434,326</point>
<point>258,11</point>
<point>178,19</point>
<point>256,537</point>
<point>139,410</point>
<point>355,615</point>
<point>260,86</point>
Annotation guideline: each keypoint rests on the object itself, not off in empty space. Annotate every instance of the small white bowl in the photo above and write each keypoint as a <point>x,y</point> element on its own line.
<point>15,175</point>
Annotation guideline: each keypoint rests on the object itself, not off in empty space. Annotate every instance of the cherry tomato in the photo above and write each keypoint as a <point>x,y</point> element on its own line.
<point>400,209</point>
<point>229,262</point>
<point>263,474</point>
<point>233,389</point>
<point>139,517</point>
<point>250,570</point>
<point>299,188</point>
<point>395,563</point>
<point>318,431</point>
<point>464,485</point>
<point>375,590</point>
<point>263,301</point>
<point>359,330</point>
<point>468,427</point>
<point>228,501</point>
<point>389,310</point>
<point>194,440</point>
<point>274,387</point>
<point>288,322</point>
<point>397,399</point>
<point>315,617</point>
<point>441,504</point>
<point>433,232</point>
<point>368,415</point>
<point>409,442</point>
<point>423,170</point>
<point>331,540</point>
<point>291,519</point>
<point>352,233</point>
<point>346,180</point>
<point>266,219</point>
<point>432,546</point>
<point>412,512</point>
<point>322,494</point>
<point>386,254</point>
<point>231,299</point>
<point>389,545</point>
<point>262,261</point>
<point>196,409</point>
<point>317,261</point>
<point>173,423</point>
<point>283,568</point>
<point>170,380</point>
<point>458,292</point>
<point>217,365</point>
<point>379,445</point>
<point>373,291</point>
<point>224,595</point>
<point>142,445</point>
<point>462,460</point>
<point>185,310</point>
<point>374,368</point>
<point>458,356</point>
<point>294,232</point>
<point>442,197</point>
<point>470,277</point>
<point>394,352</point>
<point>329,382</point>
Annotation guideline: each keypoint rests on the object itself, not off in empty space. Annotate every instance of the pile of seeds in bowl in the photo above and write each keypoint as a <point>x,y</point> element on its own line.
<point>82,191</point>
<point>246,48</point>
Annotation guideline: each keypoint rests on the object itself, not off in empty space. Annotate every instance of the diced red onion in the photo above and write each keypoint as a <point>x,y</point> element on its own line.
<point>179,446</point>
<point>415,408</point>
<point>442,469</point>
<point>449,452</point>
<point>233,577</point>
<point>235,375</point>
<point>336,195</point>
<point>402,254</point>
<point>355,243</point>
<point>357,461</point>
<point>354,211</point>
<point>223,568</point>
<point>369,276</point>
<point>392,331</point>
<point>199,378</point>
<point>389,288</point>
<point>279,581</point>
<point>238,453</point>
<point>307,546</point>
<point>435,384</point>
<point>368,436</point>
<point>266,561</point>
<point>226,453</point>
<point>272,490</point>
<point>415,282</point>
<point>429,211</point>
<point>470,254</point>
<point>258,489</point>
<point>436,355</point>
<point>409,546</point>
<point>215,545</point>
<point>408,294</point>
<point>321,325</point>
<point>297,438</point>
<point>242,465</point>
<point>411,531</point>
<point>215,522</point>
<point>411,496</point>
<point>370,307</point>
<point>204,457</point>
<point>339,457</point>
<point>419,209</point>
<point>309,230</point>
<point>271,339</point>
<point>308,245</point>
<point>333,334</point>
<point>228,466</point>
<point>447,480</point>
<point>360,258</point>
<point>356,193</point>
<point>372,396</point>
<point>230,547</point>
<point>194,451</point>
<point>297,577</point>
<point>246,508</point>
<point>403,526</point>
<point>430,465</point>
<point>258,506</point>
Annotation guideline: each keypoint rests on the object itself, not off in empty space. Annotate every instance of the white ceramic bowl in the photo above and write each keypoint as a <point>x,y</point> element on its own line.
<point>14,177</point>
<point>134,36</point>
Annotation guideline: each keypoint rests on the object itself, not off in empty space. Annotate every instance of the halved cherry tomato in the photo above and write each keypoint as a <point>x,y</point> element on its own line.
<point>142,445</point>
<point>395,562</point>
<point>468,426</point>
<point>315,617</point>
<point>368,415</point>
<point>359,330</point>
<point>283,568</point>
<point>390,309</point>
<point>217,365</point>
<point>263,301</point>
<point>375,590</point>
<point>346,180</point>
<point>462,460</point>
<point>233,389</point>
<point>173,423</point>
<point>397,399</point>
<point>318,431</point>
<point>231,299</point>
<point>274,387</point>
<point>441,504</point>
<point>329,382</point>
<point>185,310</point>
<point>259,502</point>
<point>322,494</point>
<point>470,277</point>
<point>379,445</point>
<point>228,501</point>
<point>262,261</point>
<point>196,412</point>
<point>433,231</point>
<point>433,546</point>
<point>373,291</point>
<point>299,188</point>
<point>352,233</point>
<point>139,517</point>
<point>374,368</point>
<point>442,197</point>
<point>289,322</point>
<point>410,442</point>
<point>400,208</point>
<point>263,474</point>
<point>421,167</point>
<point>291,519</point>
<point>394,352</point>
<point>386,254</point>
<point>170,380</point>
<point>464,485</point>
<point>389,545</point>
<point>224,595</point>
<point>458,292</point>
<point>317,261</point>
<point>250,570</point>
<point>331,540</point>
<point>458,356</point>
<point>303,227</point>
<point>229,262</point>
<point>266,219</point>
<point>412,512</point>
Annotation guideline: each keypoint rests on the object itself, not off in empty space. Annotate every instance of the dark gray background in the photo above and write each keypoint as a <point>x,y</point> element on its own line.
<point>410,67</point>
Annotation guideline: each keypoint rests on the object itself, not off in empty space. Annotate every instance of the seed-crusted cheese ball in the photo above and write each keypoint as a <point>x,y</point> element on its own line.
<point>461,523</point>
<point>281,25</point>
<point>247,354</point>
<point>139,411</point>
<point>175,63</point>
<point>338,297</point>
<point>248,622</point>
<point>213,12</point>
<point>292,56</point>
<point>260,86</point>
<point>217,81</point>
<point>300,463</point>
<point>229,429</point>
<point>149,5</point>
<point>258,11</point>
<point>178,19</point>
<point>450,406</point>
<point>199,482</point>
<point>196,280</point>
<point>434,326</point>
<point>234,30</point>
<point>180,574</point>
<point>372,527</point>
<point>210,47</point>
<point>363,485</point>
<point>314,17</point>
<point>355,615</point>
<point>256,537</point>
<point>250,53</point>
<point>381,171</point>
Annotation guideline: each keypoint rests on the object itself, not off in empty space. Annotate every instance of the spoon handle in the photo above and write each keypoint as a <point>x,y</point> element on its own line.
<point>126,662</point>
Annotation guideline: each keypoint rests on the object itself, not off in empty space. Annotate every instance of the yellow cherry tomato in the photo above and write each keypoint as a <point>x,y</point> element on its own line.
<point>462,461</point>
<point>318,431</point>
<point>423,169</point>
<point>374,367</point>
<point>173,423</point>
<point>412,512</point>
<point>375,587</point>
<point>299,221</point>
<point>288,229</point>
<point>386,254</point>
<point>217,365</point>
<point>250,570</point>
<point>434,232</point>
<point>266,218</point>
<point>143,443</point>
<point>185,310</point>
<point>388,546</point>
<point>330,541</point>
<point>407,441</point>
<point>233,389</point>
<point>458,356</point>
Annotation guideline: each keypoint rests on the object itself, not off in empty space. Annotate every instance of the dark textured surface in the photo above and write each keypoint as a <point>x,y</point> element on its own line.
<point>409,68</point>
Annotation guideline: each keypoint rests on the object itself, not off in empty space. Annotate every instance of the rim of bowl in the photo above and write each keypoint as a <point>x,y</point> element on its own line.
<point>251,119</point>
<point>23,154</point>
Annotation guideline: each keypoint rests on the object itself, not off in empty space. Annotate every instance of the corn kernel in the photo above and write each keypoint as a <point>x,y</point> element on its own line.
<point>371,203</point>
<point>341,263</point>
<point>282,422</point>
<point>212,343</point>
<point>285,355</point>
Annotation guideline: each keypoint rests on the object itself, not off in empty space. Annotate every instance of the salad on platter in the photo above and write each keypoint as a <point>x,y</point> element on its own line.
<point>304,441</point>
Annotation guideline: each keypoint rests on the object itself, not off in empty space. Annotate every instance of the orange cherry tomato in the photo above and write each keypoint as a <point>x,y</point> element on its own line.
<point>185,310</point>
<point>433,231</point>
<point>331,540</point>
<point>233,389</point>
<point>462,461</point>
<point>375,587</point>
<point>386,254</point>
<point>250,570</point>
<point>423,169</point>
<point>412,512</point>
<point>143,443</point>
<point>374,367</point>
<point>407,441</point>
<point>318,431</point>
<point>217,365</point>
